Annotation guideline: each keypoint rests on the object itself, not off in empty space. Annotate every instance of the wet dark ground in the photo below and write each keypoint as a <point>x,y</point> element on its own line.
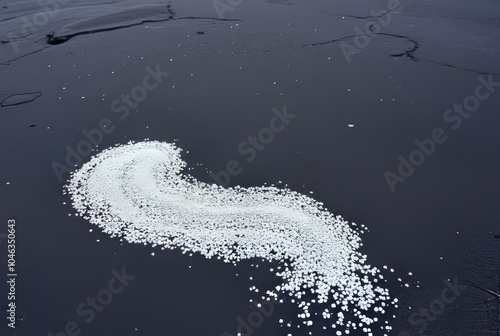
<point>225,78</point>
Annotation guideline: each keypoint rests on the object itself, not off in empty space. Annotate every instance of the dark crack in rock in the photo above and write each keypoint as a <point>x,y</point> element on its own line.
<point>21,98</point>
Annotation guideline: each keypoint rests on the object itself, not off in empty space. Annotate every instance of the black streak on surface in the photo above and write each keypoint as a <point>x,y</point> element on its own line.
<point>54,40</point>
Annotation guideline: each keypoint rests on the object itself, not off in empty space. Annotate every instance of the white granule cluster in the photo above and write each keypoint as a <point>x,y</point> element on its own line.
<point>139,191</point>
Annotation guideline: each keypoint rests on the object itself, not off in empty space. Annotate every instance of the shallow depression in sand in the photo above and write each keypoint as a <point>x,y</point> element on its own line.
<point>140,192</point>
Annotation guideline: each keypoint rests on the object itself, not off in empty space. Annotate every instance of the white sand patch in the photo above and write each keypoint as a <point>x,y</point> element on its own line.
<point>139,192</point>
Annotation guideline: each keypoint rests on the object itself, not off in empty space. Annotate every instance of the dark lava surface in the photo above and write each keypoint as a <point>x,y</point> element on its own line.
<point>357,114</point>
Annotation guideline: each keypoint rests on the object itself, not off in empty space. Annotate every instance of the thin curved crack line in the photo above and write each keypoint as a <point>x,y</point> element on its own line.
<point>52,40</point>
<point>415,58</point>
<point>494,294</point>
<point>331,41</point>
<point>364,17</point>
<point>39,94</point>
<point>205,18</point>
<point>408,53</point>
<point>28,54</point>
